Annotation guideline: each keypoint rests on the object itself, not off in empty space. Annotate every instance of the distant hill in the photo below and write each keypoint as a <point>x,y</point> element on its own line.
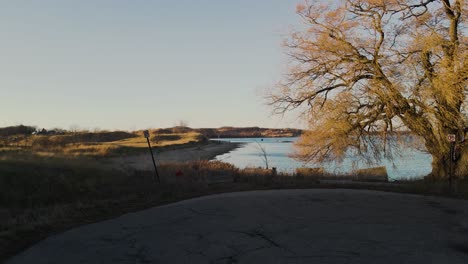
<point>234,132</point>
<point>17,130</point>
<point>103,136</point>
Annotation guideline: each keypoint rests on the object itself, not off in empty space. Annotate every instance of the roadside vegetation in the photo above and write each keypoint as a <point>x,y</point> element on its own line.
<point>43,195</point>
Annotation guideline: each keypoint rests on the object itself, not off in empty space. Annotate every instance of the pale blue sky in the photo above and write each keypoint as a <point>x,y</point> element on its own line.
<point>134,64</point>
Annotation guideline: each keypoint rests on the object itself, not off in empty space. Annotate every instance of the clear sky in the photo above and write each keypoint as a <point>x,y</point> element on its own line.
<point>132,64</point>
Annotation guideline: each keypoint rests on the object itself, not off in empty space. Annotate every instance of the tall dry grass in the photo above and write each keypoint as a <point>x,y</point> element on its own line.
<point>39,195</point>
<point>42,195</point>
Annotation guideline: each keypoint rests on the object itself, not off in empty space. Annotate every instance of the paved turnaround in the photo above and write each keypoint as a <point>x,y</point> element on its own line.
<point>278,226</point>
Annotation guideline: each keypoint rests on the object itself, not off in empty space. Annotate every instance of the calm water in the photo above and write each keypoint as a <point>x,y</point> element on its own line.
<point>410,163</point>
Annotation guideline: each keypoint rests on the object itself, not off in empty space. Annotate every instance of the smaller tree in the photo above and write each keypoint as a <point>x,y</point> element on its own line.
<point>181,127</point>
<point>263,153</point>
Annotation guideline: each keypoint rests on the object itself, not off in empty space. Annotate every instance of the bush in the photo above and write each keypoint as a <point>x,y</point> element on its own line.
<point>17,130</point>
<point>372,174</point>
<point>202,172</point>
<point>310,172</point>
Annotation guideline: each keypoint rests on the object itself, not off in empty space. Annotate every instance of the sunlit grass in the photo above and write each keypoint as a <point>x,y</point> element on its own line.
<point>98,144</point>
<point>165,140</point>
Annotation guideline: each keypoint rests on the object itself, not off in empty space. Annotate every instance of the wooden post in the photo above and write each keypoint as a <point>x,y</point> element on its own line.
<point>146,134</point>
<point>451,168</point>
<point>451,138</point>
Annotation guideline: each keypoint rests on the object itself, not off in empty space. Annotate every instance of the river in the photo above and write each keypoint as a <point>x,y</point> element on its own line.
<point>410,163</point>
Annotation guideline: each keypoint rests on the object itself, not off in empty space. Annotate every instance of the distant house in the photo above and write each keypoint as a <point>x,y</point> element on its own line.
<point>48,132</point>
<point>42,132</point>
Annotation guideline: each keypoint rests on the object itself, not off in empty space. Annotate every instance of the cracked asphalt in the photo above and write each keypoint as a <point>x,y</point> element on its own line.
<point>277,226</point>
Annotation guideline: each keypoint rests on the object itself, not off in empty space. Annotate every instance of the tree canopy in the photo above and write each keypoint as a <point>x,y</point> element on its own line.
<point>361,68</point>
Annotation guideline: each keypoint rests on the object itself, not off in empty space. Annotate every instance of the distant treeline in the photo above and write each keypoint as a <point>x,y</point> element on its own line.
<point>99,136</point>
<point>17,130</point>
<point>29,136</point>
<point>233,132</point>
<point>105,136</point>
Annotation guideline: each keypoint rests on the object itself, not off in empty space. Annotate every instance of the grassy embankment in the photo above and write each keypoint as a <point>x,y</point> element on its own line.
<point>99,144</point>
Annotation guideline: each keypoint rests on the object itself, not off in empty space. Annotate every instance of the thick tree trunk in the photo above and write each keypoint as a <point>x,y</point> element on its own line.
<point>441,165</point>
<point>461,168</point>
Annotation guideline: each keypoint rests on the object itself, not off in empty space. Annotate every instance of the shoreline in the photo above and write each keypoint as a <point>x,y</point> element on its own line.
<point>180,154</point>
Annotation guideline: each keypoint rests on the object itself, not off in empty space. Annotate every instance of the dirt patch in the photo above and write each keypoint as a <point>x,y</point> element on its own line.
<point>202,151</point>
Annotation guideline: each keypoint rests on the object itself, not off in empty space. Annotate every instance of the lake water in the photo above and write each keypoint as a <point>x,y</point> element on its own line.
<point>408,164</point>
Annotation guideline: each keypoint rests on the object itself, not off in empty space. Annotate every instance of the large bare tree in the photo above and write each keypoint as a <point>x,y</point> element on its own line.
<point>367,68</point>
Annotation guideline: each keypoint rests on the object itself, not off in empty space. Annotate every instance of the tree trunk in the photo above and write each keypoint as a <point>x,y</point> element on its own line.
<point>441,165</point>
<point>461,167</point>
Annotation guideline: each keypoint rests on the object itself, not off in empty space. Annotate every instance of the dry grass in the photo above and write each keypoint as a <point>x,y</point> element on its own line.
<point>40,195</point>
<point>310,172</point>
<point>99,149</point>
<point>372,174</point>
<point>161,140</point>
<point>43,195</point>
<point>97,144</point>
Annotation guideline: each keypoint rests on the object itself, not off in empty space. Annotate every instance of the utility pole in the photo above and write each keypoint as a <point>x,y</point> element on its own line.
<point>146,134</point>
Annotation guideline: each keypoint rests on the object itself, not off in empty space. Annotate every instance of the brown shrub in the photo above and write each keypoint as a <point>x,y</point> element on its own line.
<point>372,174</point>
<point>310,172</point>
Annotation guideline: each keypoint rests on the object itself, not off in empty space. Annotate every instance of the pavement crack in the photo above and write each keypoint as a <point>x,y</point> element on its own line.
<point>445,209</point>
<point>234,258</point>
<point>334,254</point>
<point>263,236</point>
<point>258,233</point>
<point>139,255</point>
<point>197,236</point>
<point>189,252</point>
<point>207,214</point>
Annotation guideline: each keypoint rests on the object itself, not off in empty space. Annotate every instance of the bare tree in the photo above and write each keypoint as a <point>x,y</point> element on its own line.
<point>182,123</point>
<point>263,154</point>
<point>74,130</point>
<point>362,68</point>
<point>181,127</point>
